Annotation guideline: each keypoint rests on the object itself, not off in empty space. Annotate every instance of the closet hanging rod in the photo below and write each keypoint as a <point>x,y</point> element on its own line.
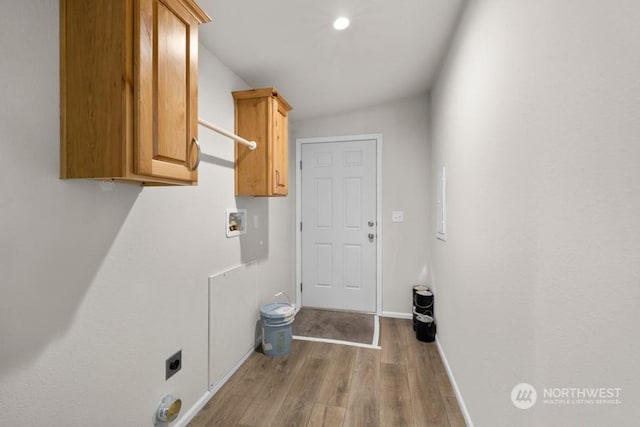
<point>251,144</point>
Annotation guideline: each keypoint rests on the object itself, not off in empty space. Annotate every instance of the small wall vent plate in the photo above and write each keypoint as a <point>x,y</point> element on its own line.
<point>441,225</point>
<point>236,222</point>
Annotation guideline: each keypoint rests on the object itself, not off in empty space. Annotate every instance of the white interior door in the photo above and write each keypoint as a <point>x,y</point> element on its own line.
<point>338,213</point>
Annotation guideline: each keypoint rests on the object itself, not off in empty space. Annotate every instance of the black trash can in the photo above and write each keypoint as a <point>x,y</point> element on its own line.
<point>415,289</point>
<point>422,304</point>
<point>425,328</point>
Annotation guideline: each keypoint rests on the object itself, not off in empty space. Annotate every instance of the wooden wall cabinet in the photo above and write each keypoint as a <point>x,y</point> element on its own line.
<point>129,90</point>
<point>261,115</point>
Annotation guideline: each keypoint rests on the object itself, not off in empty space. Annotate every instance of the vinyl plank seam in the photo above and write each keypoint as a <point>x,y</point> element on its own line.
<point>322,366</point>
<point>353,372</point>
<point>352,400</point>
<point>454,414</point>
<point>286,392</point>
<point>435,377</point>
<point>392,349</point>
<point>395,404</point>
<point>342,410</point>
<point>275,371</point>
<point>330,375</point>
<point>282,402</point>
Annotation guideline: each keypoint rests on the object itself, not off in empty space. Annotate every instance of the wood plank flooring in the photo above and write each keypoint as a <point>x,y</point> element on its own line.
<point>330,385</point>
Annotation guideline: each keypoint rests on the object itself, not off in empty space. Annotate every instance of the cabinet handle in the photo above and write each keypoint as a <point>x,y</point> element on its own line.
<point>278,179</point>
<point>195,166</point>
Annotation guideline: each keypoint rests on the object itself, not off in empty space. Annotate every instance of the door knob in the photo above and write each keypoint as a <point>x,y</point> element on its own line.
<point>371,236</point>
<point>370,224</point>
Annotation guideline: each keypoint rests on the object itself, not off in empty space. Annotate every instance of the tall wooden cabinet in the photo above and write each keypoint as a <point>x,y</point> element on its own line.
<point>129,90</point>
<point>261,115</point>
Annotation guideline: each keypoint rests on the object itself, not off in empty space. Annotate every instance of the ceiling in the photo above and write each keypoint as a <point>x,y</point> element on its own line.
<point>391,49</point>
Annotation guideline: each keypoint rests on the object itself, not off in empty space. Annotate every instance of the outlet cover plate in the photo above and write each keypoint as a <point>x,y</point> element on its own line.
<point>173,364</point>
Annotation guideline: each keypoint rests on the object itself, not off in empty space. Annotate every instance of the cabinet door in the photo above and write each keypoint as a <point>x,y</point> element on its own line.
<point>280,150</point>
<point>166,90</point>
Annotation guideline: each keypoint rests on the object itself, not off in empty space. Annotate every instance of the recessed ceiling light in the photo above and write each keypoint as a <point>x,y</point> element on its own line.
<point>341,23</point>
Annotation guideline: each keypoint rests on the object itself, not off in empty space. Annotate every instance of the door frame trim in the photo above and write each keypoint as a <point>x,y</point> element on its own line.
<point>377,137</point>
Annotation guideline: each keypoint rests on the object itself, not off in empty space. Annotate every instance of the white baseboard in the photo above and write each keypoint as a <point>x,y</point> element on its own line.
<point>463,407</point>
<point>193,411</point>
<point>376,331</point>
<point>197,407</point>
<point>397,315</point>
<point>338,342</point>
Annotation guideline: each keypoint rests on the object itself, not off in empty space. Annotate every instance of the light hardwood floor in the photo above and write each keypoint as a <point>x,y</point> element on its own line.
<point>318,384</point>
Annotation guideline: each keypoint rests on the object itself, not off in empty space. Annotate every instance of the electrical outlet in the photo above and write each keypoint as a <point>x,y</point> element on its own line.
<point>397,216</point>
<point>173,364</point>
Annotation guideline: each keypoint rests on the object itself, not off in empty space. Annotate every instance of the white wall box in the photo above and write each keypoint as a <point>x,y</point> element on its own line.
<point>441,225</point>
<point>236,222</point>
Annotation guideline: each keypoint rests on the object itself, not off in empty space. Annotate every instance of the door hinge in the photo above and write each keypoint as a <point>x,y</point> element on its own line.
<point>300,164</point>
<point>300,225</point>
<point>300,287</point>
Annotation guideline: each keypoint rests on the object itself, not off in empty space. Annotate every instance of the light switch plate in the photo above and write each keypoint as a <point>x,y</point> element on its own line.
<point>397,216</point>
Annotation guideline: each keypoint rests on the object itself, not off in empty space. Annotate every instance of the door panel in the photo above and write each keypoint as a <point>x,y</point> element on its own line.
<point>324,265</point>
<point>172,35</point>
<point>353,266</point>
<point>352,203</point>
<point>281,150</point>
<point>338,202</point>
<point>323,205</point>
<point>166,95</point>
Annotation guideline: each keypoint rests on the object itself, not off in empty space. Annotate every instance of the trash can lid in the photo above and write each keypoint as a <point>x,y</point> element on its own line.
<point>424,318</point>
<point>277,310</point>
<point>424,293</point>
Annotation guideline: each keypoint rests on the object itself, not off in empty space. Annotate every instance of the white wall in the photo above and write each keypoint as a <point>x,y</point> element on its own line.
<point>405,172</point>
<point>537,117</point>
<point>100,283</point>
